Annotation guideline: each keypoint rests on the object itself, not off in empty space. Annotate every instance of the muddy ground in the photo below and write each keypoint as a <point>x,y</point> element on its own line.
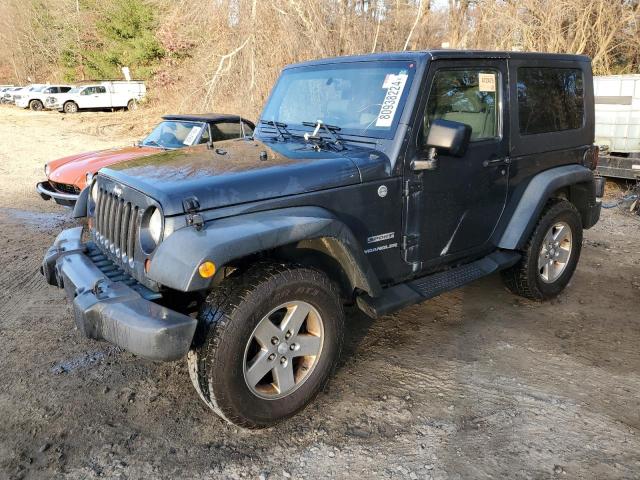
<point>476,384</point>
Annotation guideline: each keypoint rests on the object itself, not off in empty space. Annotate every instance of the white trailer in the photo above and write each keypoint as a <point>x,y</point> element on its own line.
<point>617,106</point>
<point>99,96</point>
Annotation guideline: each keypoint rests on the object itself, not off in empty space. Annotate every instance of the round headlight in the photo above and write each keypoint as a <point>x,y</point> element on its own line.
<point>155,226</point>
<point>47,169</point>
<point>94,192</point>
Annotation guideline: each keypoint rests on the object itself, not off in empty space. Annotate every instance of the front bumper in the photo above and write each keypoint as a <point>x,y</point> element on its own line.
<point>114,311</point>
<point>47,192</point>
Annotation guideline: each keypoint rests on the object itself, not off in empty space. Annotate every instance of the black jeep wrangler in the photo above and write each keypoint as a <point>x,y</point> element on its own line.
<point>379,180</point>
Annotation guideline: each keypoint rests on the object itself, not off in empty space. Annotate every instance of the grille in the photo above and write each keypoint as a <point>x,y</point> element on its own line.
<point>63,187</point>
<point>116,223</point>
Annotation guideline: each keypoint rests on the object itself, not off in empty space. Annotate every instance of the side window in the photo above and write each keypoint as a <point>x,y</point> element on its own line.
<point>550,99</point>
<point>204,138</point>
<point>226,130</point>
<point>465,96</point>
<point>64,89</point>
<point>100,90</point>
<point>248,131</point>
<point>87,91</point>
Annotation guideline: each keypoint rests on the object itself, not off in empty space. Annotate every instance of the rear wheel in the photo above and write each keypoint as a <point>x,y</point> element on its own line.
<point>132,105</point>
<point>70,107</point>
<point>267,343</point>
<point>36,105</point>
<point>551,255</point>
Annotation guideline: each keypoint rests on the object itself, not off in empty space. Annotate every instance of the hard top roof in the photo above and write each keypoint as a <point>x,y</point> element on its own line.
<point>446,54</point>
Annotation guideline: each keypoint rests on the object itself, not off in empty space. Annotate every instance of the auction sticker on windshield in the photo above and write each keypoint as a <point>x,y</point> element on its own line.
<point>195,131</point>
<point>394,85</point>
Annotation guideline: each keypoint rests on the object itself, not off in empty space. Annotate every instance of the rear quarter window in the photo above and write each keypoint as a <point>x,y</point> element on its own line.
<point>550,99</point>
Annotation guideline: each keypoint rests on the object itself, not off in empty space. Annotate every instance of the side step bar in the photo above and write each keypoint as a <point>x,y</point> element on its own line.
<point>420,289</point>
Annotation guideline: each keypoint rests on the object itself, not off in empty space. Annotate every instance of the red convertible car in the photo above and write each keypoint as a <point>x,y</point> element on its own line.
<point>66,177</point>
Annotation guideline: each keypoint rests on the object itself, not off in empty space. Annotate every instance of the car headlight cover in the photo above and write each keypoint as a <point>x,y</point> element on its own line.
<point>155,226</point>
<point>94,192</point>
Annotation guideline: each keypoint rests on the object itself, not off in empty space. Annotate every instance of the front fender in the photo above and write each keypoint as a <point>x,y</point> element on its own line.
<point>175,262</point>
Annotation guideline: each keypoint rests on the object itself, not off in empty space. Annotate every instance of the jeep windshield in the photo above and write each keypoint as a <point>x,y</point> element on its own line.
<point>177,134</point>
<point>360,98</point>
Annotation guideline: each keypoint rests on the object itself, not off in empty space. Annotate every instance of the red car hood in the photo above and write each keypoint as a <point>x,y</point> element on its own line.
<point>72,170</point>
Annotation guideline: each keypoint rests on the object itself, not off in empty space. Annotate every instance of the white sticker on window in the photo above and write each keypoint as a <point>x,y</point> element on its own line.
<point>394,85</point>
<point>487,82</point>
<point>193,134</point>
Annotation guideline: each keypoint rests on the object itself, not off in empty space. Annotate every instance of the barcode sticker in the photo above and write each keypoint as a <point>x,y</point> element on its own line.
<point>195,131</point>
<point>394,84</point>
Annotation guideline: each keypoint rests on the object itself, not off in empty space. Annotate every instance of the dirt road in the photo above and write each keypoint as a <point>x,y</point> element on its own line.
<point>474,384</point>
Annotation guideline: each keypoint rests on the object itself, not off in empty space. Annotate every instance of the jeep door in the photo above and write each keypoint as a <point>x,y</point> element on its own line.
<point>451,210</point>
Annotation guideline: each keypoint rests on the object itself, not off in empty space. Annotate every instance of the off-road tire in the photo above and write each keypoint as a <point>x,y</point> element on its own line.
<point>70,107</point>
<point>524,278</point>
<point>226,322</point>
<point>36,105</point>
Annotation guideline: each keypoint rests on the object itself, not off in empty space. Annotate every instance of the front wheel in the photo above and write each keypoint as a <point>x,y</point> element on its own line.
<point>267,342</point>
<point>551,255</point>
<point>70,107</point>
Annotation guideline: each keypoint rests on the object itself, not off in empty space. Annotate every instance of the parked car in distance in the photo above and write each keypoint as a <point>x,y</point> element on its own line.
<point>378,180</point>
<point>35,99</point>
<point>26,91</point>
<point>99,96</point>
<point>18,94</point>
<point>7,95</point>
<point>67,176</point>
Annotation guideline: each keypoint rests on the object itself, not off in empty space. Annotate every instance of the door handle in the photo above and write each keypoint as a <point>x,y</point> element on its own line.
<point>496,162</point>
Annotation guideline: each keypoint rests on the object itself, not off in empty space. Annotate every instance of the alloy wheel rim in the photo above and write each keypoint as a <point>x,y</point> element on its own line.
<point>283,350</point>
<point>555,252</point>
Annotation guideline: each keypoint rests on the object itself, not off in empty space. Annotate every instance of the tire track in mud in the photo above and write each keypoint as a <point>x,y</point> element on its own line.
<point>25,234</point>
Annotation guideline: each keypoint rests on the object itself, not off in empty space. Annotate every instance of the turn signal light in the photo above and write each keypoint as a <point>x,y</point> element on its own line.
<point>207,269</point>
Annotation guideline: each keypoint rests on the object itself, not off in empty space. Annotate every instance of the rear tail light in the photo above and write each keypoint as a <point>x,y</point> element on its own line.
<point>590,157</point>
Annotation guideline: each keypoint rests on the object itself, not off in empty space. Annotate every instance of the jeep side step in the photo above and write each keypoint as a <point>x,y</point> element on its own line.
<point>420,289</point>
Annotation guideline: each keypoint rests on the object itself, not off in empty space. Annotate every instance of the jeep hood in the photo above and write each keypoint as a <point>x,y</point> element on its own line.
<point>234,172</point>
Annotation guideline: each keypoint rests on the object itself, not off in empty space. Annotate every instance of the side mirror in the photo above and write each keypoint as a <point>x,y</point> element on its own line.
<point>450,137</point>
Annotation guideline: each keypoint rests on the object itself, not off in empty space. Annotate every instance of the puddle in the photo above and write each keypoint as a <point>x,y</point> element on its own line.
<point>84,360</point>
<point>40,220</point>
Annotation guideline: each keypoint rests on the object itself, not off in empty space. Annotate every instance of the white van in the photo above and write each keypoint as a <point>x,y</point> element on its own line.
<point>99,96</point>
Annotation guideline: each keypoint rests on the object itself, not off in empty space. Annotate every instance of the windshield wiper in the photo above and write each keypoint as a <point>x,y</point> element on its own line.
<point>153,143</point>
<point>279,126</point>
<point>316,137</point>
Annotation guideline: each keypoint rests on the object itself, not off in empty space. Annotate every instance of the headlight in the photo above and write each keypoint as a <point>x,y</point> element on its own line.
<point>155,226</point>
<point>151,229</point>
<point>94,193</point>
<point>88,177</point>
<point>47,170</point>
